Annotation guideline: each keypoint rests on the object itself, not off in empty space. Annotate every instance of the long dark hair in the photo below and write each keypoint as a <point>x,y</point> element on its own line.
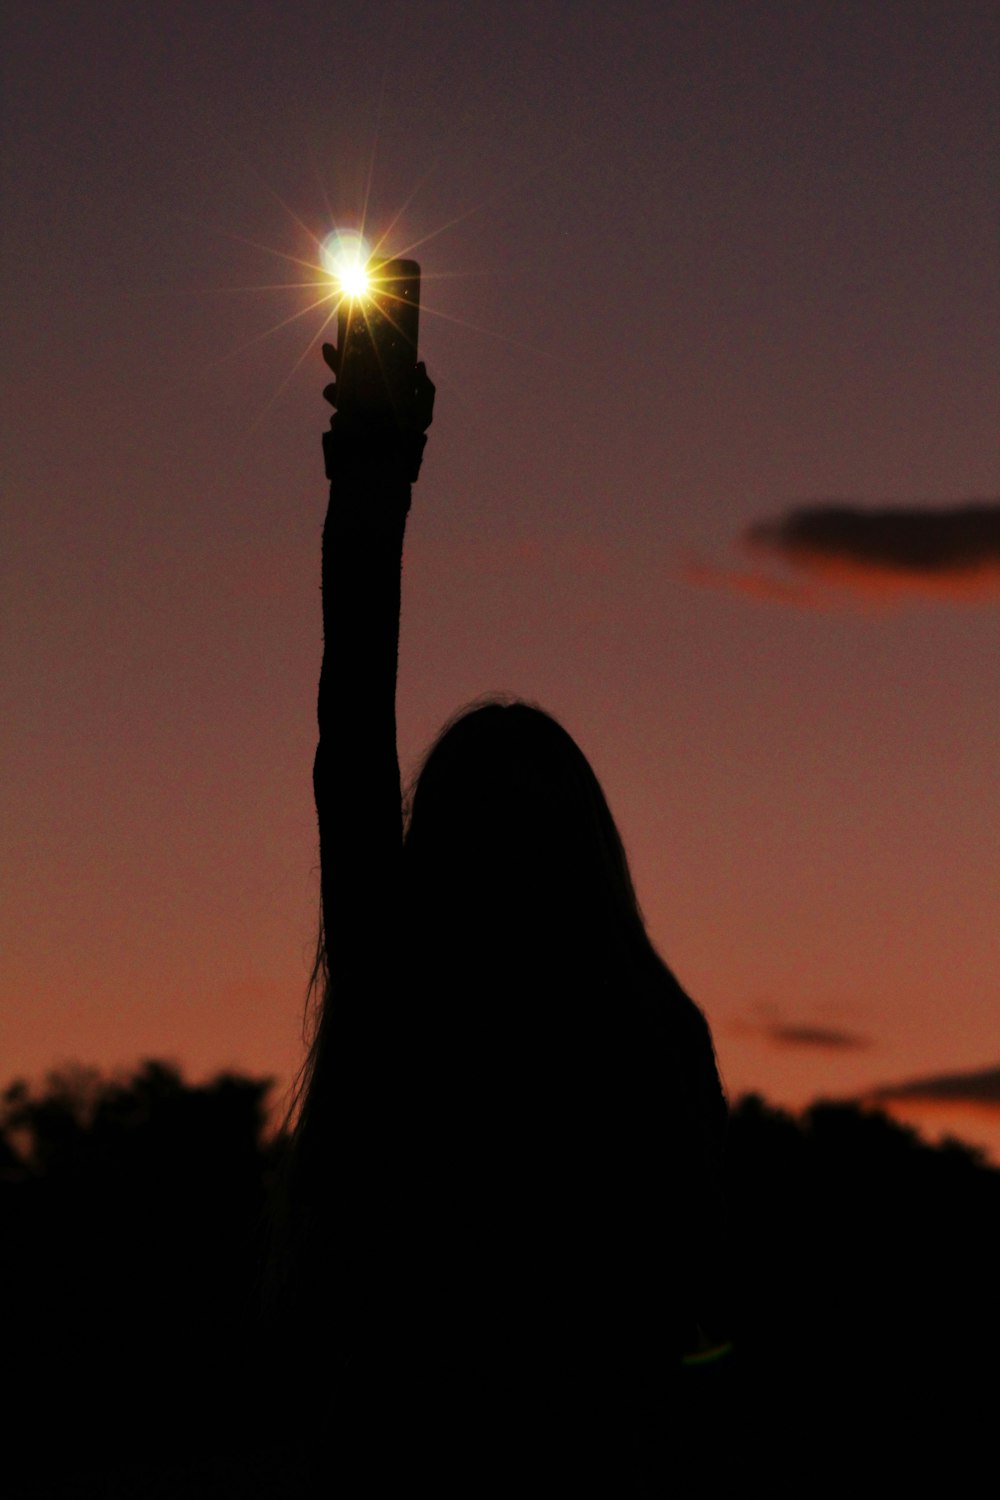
<point>521,945</point>
<point>506,823</point>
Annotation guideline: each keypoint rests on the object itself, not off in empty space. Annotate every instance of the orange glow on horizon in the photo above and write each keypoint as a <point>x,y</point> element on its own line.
<point>838,583</point>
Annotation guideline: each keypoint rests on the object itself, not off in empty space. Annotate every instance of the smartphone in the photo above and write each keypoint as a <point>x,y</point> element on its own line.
<point>377,341</point>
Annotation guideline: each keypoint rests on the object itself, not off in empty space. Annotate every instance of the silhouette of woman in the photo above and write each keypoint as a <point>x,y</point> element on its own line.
<point>504,1169</point>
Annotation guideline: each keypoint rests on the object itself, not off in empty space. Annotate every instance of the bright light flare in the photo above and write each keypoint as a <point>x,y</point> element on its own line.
<point>345,255</point>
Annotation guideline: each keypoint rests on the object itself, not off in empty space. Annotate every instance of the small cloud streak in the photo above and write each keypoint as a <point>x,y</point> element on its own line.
<point>980,1089</point>
<point>881,556</point>
<point>770,1027</point>
<point>825,1037</point>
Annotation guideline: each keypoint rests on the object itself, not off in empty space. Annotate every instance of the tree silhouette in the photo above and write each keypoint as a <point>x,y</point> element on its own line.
<point>862,1294</point>
<point>131,1212</point>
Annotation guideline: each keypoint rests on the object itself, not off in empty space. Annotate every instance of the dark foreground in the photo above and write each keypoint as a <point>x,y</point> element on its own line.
<point>862,1301</point>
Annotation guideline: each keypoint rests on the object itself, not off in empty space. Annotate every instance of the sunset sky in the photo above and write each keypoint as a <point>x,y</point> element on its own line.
<point>708,287</point>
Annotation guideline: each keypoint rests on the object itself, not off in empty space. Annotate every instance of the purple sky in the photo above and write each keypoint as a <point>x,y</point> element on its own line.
<point>687,268</point>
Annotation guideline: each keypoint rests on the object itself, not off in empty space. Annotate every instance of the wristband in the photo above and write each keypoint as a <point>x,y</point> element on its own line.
<point>372,452</point>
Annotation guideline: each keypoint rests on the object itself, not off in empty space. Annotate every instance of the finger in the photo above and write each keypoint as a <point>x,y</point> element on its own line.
<point>330,393</point>
<point>423,395</point>
<point>331,356</point>
<point>423,384</point>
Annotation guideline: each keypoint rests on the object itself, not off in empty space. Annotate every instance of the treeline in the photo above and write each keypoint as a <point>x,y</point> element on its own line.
<point>861,1270</point>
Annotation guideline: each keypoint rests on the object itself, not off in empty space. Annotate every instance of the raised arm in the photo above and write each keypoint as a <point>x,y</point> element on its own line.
<point>371,463</point>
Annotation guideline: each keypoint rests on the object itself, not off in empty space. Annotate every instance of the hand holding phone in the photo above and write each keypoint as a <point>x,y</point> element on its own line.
<point>383,397</point>
<point>376,357</point>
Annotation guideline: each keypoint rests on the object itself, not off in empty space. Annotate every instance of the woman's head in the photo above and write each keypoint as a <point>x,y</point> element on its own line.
<point>509,836</point>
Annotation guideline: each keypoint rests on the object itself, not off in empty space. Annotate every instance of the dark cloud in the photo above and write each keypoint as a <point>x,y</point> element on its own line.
<point>980,1088</point>
<point>815,1036</point>
<point>843,552</point>
<point>928,541</point>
